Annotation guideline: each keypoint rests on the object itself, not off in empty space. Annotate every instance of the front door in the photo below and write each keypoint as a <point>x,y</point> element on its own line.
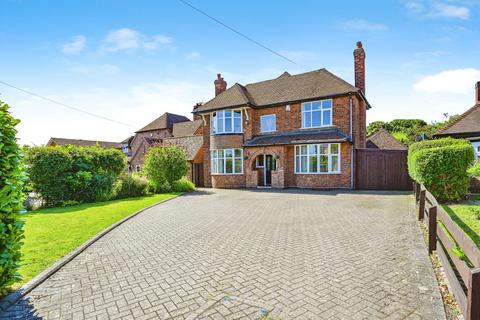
<point>268,170</point>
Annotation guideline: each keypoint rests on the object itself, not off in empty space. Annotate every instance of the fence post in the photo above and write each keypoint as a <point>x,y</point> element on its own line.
<point>432,229</point>
<point>473,298</point>
<point>421,205</point>
<point>417,187</point>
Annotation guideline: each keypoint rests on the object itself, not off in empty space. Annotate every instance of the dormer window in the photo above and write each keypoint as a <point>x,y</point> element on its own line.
<point>317,114</point>
<point>226,121</point>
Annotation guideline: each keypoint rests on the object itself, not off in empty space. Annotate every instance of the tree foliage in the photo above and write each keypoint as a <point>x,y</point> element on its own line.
<point>164,165</point>
<point>69,173</point>
<point>12,179</point>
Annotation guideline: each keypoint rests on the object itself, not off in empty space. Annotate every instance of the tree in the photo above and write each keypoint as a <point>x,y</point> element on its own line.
<point>12,179</point>
<point>374,127</point>
<point>165,165</point>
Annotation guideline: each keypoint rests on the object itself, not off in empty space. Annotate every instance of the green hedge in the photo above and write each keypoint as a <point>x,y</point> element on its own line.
<point>81,174</point>
<point>474,171</point>
<point>441,165</point>
<point>130,185</point>
<point>11,198</point>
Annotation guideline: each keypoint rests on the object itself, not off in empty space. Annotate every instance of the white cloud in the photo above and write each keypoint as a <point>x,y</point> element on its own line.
<point>192,56</point>
<point>76,45</point>
<point>299,56</point>
<point>360,24</point>
<point>457,81</point>
<point>128,39</point>
<point>437,9</point>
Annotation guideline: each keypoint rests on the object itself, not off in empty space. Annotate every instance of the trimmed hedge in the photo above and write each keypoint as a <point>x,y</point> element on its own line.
<point>69,173</point>
<point>441,165</point>
<point>12,179</point>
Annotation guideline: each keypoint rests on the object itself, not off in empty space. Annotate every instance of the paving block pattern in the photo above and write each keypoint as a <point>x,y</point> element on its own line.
<point>244,254</point>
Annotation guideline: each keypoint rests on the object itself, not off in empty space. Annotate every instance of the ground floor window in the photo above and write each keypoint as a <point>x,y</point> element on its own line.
<point>317,158</point>
<point>227,161</point>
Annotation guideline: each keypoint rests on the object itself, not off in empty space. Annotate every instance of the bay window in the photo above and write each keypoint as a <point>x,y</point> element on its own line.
<point>317,158</point>
<point>227,161</point>
<point>226,121</point>
<point>317,114</point>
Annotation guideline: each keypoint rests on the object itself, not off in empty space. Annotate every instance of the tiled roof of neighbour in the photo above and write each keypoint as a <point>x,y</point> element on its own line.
<point>469,122</point>
<point>83,143</point>
<point>165,121</point>
<point>285,88</point>
<point>186,128</point>
<point>284,138</point>
<point>192,144</point>
<point>128,140</point>
<point>384,140</point>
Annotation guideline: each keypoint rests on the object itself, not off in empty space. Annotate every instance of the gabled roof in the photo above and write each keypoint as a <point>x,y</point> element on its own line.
<point>165,121</point>
<point>191,145</point>
<point>384,140</point>
<point>128,140</point>
<point>286,138</point>
<point>186,128</point>
<point>285,88</point>
<point>467,123</point>
<point>83,143</point>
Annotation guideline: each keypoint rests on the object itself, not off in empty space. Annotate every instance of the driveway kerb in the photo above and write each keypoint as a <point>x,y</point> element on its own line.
<point>14,297</point>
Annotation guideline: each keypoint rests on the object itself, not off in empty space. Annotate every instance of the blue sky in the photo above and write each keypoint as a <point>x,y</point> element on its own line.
<point>133,60</point>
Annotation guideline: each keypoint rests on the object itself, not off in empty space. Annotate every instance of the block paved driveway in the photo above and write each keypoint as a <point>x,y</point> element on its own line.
<point>240,254</point>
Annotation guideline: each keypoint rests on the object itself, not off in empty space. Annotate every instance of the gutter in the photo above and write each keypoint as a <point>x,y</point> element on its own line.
<point>352,152</point>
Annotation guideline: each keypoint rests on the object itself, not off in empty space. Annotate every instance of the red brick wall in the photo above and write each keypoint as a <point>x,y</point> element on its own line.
<point>228,180</point>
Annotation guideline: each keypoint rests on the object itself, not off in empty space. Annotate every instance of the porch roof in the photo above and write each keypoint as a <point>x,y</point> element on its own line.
<point>299,137</point>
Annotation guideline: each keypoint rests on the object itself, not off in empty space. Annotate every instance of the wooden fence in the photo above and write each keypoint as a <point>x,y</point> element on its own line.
<point>445,237</point>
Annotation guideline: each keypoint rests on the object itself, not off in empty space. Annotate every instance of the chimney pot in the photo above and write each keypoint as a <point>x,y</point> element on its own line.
<point>220,84</point>
<point>359,63</point>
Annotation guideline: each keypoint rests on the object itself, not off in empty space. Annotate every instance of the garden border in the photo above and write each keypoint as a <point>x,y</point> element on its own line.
<point>18,294</point>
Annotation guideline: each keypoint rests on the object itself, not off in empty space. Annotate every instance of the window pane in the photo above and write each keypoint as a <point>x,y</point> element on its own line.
<point>316,119</point>
<point>228,153</point>
<point>220,128</point>
<point>313,163</point>
<point>306,119</point>
<point>327,104</point>
<point>238,153</point>
<point>327,117</point>
<point>334,148</point>
<point>220,153</point>
<point>260,161</point>
<point>303,150</point>
<point>324,149</point>
<point>228,121</point>
<point>229,165</point>
<point>316,105</point>
<point>303,164</point>
<point>297,164</point>
<point>323,163</point>
<point>307,107</point>
<point>268,123</point>
<point>312,149</point>
<point>237,124</point>
<point>238,165</point>
<point>221,168</point>
<point>334,164</point>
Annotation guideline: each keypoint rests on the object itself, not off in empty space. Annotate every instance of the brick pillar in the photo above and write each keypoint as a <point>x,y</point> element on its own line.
<point>359,59</point>
<point>220,84</point>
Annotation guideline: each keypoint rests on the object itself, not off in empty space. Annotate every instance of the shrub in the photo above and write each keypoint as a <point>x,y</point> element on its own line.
<point>165,165</point>
<point>474,171</point>
<point>128,186</point>
<point>441,165</point>
<point>82,174</point>
<point>11,197</point>
<point>183,185</point>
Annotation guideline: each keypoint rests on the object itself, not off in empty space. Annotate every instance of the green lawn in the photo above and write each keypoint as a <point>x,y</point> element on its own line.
<point>461,214</point>
<point>52,233</point>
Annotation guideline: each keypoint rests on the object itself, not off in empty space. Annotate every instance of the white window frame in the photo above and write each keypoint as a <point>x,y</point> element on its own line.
<point>257,161</point>
<point>268,115</point>
<point>215,119</point>
<point>329,164</point>
<point>476,149</point>
<point>213,159</point>
<point>309,113</point>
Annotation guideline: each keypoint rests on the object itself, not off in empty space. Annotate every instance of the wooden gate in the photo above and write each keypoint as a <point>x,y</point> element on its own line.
<point>379,169</point>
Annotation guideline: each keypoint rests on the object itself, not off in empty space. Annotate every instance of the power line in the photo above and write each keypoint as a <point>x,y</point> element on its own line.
<point>63,104</point>
<point>237,32</point>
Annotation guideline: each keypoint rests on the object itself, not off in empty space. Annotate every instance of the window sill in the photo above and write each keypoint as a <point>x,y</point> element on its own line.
<point>227,174</point>
<point>226,134</point>
<point>316,173</point>
<point>318,127</point>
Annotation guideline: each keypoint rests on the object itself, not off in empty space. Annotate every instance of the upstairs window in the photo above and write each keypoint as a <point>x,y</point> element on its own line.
<point>268,123</point>
<point>226,121</point>
<point>317,114</point>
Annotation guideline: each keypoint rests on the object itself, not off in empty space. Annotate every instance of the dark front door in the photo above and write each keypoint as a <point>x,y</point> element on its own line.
<point>268,170</point>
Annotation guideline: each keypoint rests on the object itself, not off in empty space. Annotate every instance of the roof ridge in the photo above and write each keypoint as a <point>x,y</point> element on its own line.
<point>461,117</point>
<point>291,75</point>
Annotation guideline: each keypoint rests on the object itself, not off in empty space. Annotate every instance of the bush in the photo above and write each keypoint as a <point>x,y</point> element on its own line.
<point>130,185</point>
<point>69,173</point>
<point>12,178</point>
<point>165,165</point>
<point>183,185</point>
<point>441,165</point>
<point>474,171</point>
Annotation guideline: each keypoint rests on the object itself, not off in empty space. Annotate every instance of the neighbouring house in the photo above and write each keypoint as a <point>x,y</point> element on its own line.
<point>382,139</point>
<point>467,126</point>
<point>292,131</point>
<point>53,142</point>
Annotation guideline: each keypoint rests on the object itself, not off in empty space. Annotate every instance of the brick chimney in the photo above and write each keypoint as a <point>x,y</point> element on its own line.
<point>477,93</point>
<point>359,58</point>
<point>220,85</point>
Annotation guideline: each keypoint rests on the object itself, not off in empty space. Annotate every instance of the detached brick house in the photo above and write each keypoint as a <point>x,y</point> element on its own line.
<point>467,126</point>
<point>292,131</point>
